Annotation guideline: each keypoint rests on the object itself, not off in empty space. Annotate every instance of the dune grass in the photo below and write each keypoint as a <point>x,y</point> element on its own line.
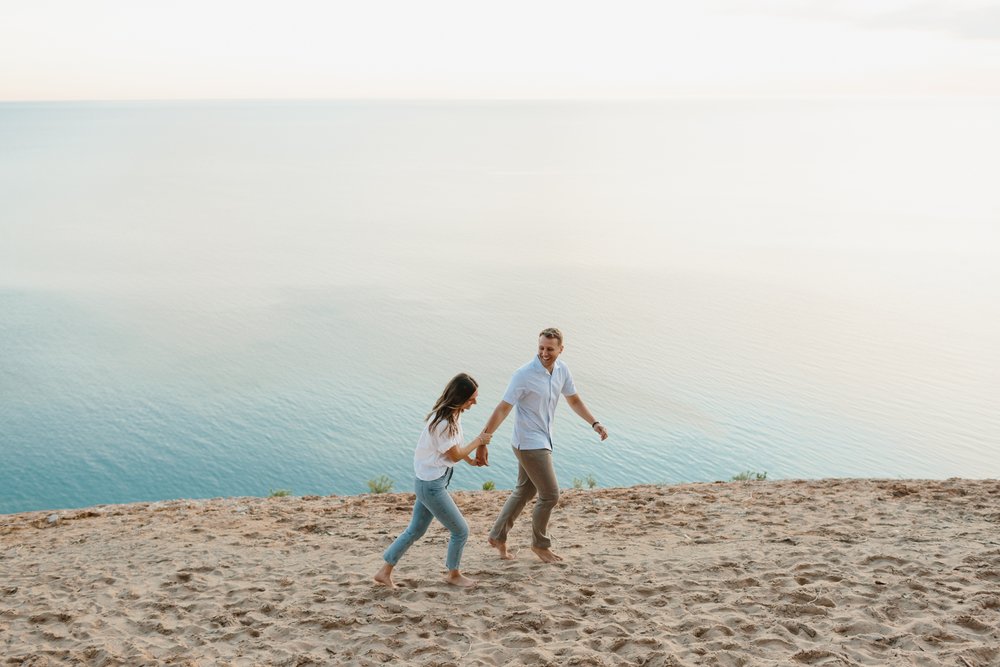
<point>380,484</point>
<point>749,476</point>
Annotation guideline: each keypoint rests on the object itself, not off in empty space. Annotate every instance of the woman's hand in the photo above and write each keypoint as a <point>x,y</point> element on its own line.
<point>483,452</point>
<point>482,456</point>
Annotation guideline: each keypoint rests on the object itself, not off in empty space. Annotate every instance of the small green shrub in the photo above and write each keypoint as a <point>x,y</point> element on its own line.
<point>577,483</point>
<point>279,493</point>
<point>591,481</point>
<point>749,476</point>
<point>380,485</point>
<point>488,485</point>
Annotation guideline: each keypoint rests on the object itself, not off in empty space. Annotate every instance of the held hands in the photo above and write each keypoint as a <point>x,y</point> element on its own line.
<point>482,456</point>
<point>482,452</point>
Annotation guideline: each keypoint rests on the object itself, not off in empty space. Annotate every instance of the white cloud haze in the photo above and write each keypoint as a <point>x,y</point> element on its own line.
<point>136,49</point>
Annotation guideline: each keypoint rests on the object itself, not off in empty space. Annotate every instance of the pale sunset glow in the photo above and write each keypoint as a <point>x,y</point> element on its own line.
<point>448,49</point>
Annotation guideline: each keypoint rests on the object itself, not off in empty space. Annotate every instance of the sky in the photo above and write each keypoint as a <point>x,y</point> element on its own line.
<point>516,49</point>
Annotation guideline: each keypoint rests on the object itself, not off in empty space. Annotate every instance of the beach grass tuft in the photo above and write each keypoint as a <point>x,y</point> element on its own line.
<point>488,485</point>
<point>381,484</point>
<point>749,476</point>
<point>279,493</point>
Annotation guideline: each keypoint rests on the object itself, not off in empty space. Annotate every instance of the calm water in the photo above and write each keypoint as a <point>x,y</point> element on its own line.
<point>203,300</point>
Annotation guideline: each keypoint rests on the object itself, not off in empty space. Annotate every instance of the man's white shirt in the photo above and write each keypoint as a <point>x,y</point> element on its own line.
<point>534,393</point>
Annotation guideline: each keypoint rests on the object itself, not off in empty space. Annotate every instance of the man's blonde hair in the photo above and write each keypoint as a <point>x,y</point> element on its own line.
<point>552,332</point>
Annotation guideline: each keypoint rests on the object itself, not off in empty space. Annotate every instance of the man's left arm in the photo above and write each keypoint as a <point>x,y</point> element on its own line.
<point>577,405</point>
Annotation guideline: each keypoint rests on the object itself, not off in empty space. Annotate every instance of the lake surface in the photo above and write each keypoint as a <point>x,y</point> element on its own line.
<point>218,299</point>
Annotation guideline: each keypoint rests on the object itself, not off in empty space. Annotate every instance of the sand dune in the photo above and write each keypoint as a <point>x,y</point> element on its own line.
<point>828,572</point>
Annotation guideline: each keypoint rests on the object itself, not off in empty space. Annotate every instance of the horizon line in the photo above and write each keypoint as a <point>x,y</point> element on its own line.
<point>458,99</point>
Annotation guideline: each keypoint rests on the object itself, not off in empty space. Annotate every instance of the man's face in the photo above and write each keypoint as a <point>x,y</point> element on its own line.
<point>549,350</point>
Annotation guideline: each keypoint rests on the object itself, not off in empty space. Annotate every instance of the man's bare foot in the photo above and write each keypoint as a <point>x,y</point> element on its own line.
<point>384,576</point>
<point>502,548</point>
<point>456,578</point>
<point>546,555</point>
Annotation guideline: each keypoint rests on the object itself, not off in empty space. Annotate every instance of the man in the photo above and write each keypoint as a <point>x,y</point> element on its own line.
<point>534,390</point>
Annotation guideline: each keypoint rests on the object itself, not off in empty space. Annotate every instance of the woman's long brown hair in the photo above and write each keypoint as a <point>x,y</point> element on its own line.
<point>458,390</point>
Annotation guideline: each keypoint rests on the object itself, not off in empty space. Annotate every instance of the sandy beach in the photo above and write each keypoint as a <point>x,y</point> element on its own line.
<point>826,572</point>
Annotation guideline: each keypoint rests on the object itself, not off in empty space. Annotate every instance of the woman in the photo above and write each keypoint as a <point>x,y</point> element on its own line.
<point>438,450</point>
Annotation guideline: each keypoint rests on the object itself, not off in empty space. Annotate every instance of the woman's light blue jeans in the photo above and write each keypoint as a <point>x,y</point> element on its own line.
<point>433,502</point>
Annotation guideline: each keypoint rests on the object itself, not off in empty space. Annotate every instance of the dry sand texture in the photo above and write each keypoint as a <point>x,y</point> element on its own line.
<point>829,572</point>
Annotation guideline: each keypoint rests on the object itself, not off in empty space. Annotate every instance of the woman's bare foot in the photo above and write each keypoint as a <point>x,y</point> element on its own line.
<point>456,578</point>
<point>546,555</point>
<point>502,548</point>
<point>384,576</point>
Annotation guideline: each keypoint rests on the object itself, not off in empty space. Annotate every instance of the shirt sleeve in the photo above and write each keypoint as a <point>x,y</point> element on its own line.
<point>515,390</point>
<point>442,440</point>
<point>568,388</point>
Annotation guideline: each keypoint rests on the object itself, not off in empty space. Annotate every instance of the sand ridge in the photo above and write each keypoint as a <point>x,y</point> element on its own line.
<point>824,572</point>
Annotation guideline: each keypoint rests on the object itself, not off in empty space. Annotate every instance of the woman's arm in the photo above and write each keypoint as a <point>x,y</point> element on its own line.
<point>456,453</point>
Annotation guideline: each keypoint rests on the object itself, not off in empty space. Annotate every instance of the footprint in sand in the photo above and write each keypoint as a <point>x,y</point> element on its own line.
<point>712,632</point>
<point>880,559</point>
<point>974,624</point>
<point>622,644</point>
<point>813,656</point>
<point>519,641</point>
<point>862,627</point>
<point>795,628</point>
<point>981,656</point>
<point>50,617</point>
<point>808,597</point>
<point>990,602</point>
<point>988,575</point>
<point>773,643</point>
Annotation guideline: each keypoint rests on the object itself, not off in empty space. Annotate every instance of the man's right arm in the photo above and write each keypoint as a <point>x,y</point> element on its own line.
<point>499,414</point>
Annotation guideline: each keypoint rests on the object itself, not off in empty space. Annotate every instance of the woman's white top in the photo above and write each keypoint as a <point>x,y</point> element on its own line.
<point>429,460</point>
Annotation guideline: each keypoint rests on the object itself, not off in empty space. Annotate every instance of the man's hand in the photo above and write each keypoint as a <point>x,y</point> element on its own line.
<point>482,451</point>
<point>601,431</point>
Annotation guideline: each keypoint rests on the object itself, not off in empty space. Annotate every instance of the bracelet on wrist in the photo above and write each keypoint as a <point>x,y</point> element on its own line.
<point>594,424</point>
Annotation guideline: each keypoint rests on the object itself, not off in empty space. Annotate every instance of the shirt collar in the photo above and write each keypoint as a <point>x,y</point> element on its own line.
<point>536,363</point>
